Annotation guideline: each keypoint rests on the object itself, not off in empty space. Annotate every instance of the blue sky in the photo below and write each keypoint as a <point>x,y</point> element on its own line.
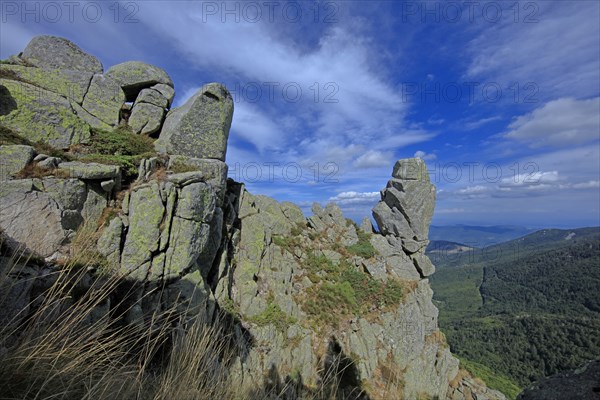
<point>501,99</point>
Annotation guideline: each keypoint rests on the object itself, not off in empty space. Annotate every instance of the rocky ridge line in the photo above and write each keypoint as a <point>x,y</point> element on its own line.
<point>209,244</point>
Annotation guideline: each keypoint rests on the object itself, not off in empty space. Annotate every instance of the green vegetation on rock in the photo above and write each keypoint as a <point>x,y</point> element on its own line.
<point>273,315</point>
<point>342,290</point>
<point>118,147</point>
<point>121,142</point>
<point>363,248</point>
<point>492,379</point>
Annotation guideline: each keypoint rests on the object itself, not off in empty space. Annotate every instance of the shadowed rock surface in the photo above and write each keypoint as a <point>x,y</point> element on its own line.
<point>581,384</point>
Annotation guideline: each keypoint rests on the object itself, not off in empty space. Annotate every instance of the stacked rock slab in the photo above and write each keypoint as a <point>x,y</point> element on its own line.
<point>55,93</point>
<point>149,88</point>
<point>405,211</point>
<point>135,76</point>
<point>40,216</point>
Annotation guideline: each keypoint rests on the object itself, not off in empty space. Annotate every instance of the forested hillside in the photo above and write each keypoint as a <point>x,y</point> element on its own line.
<point>526,308</point>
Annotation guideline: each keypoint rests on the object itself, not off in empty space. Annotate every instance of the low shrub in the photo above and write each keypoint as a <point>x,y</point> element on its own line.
<point>363,248</point>
<point>120,142</point>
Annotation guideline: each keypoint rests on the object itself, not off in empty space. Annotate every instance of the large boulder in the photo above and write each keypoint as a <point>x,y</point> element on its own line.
<point>31,219</point>
<point>146,119</point>
<point>13,159</point>
<point>40,115</point>
<point>51,52</point>
<point>411,169</point>
<point>416,202</point>
<point>152,96</point>
<point>104,99</point>
<point>166,91</point>
<point>133,76</point>
<point>200,128</point>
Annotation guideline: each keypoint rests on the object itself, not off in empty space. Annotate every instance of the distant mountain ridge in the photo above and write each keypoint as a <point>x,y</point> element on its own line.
<point>444,246</point>
<point>477,236</point>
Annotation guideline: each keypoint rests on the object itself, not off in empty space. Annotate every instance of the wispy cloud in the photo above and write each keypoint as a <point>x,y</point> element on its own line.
<point>562,122</point>
<point>373,159</point>
<point>556,50</point>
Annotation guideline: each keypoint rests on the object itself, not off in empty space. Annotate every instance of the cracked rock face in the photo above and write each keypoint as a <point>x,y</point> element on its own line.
<point>40,115</point>
<point>172,228</point>
<point>405,211</point>
<point>199,128</point>
<point>41,215</point>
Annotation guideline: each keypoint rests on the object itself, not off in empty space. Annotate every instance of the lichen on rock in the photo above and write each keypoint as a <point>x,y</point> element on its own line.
<point>302,297</point>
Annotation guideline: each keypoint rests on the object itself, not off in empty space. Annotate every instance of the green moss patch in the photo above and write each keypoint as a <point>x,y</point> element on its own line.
<point>273,315</point>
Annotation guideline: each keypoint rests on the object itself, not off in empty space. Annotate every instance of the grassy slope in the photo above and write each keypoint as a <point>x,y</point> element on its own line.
<point>523,309</point>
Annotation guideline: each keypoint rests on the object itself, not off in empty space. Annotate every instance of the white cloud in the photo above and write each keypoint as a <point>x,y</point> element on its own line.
<point>456,210</point>
<point>372,159</point>
<point>474,191</point>
<point>255,126</point>
<point>522,185</point>
<point>354,104</point>
<point>425,156</point>
<point>587,185</point>
<point>530,179</point>
<point>479,123</point>
<point>436,121</point>
<point>356,198</point>
<point>561,122</point>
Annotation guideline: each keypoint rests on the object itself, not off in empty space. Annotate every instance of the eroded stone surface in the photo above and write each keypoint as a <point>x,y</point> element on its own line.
<point>199,128</point>
<point>13,159</point>
<point>52,52</point>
